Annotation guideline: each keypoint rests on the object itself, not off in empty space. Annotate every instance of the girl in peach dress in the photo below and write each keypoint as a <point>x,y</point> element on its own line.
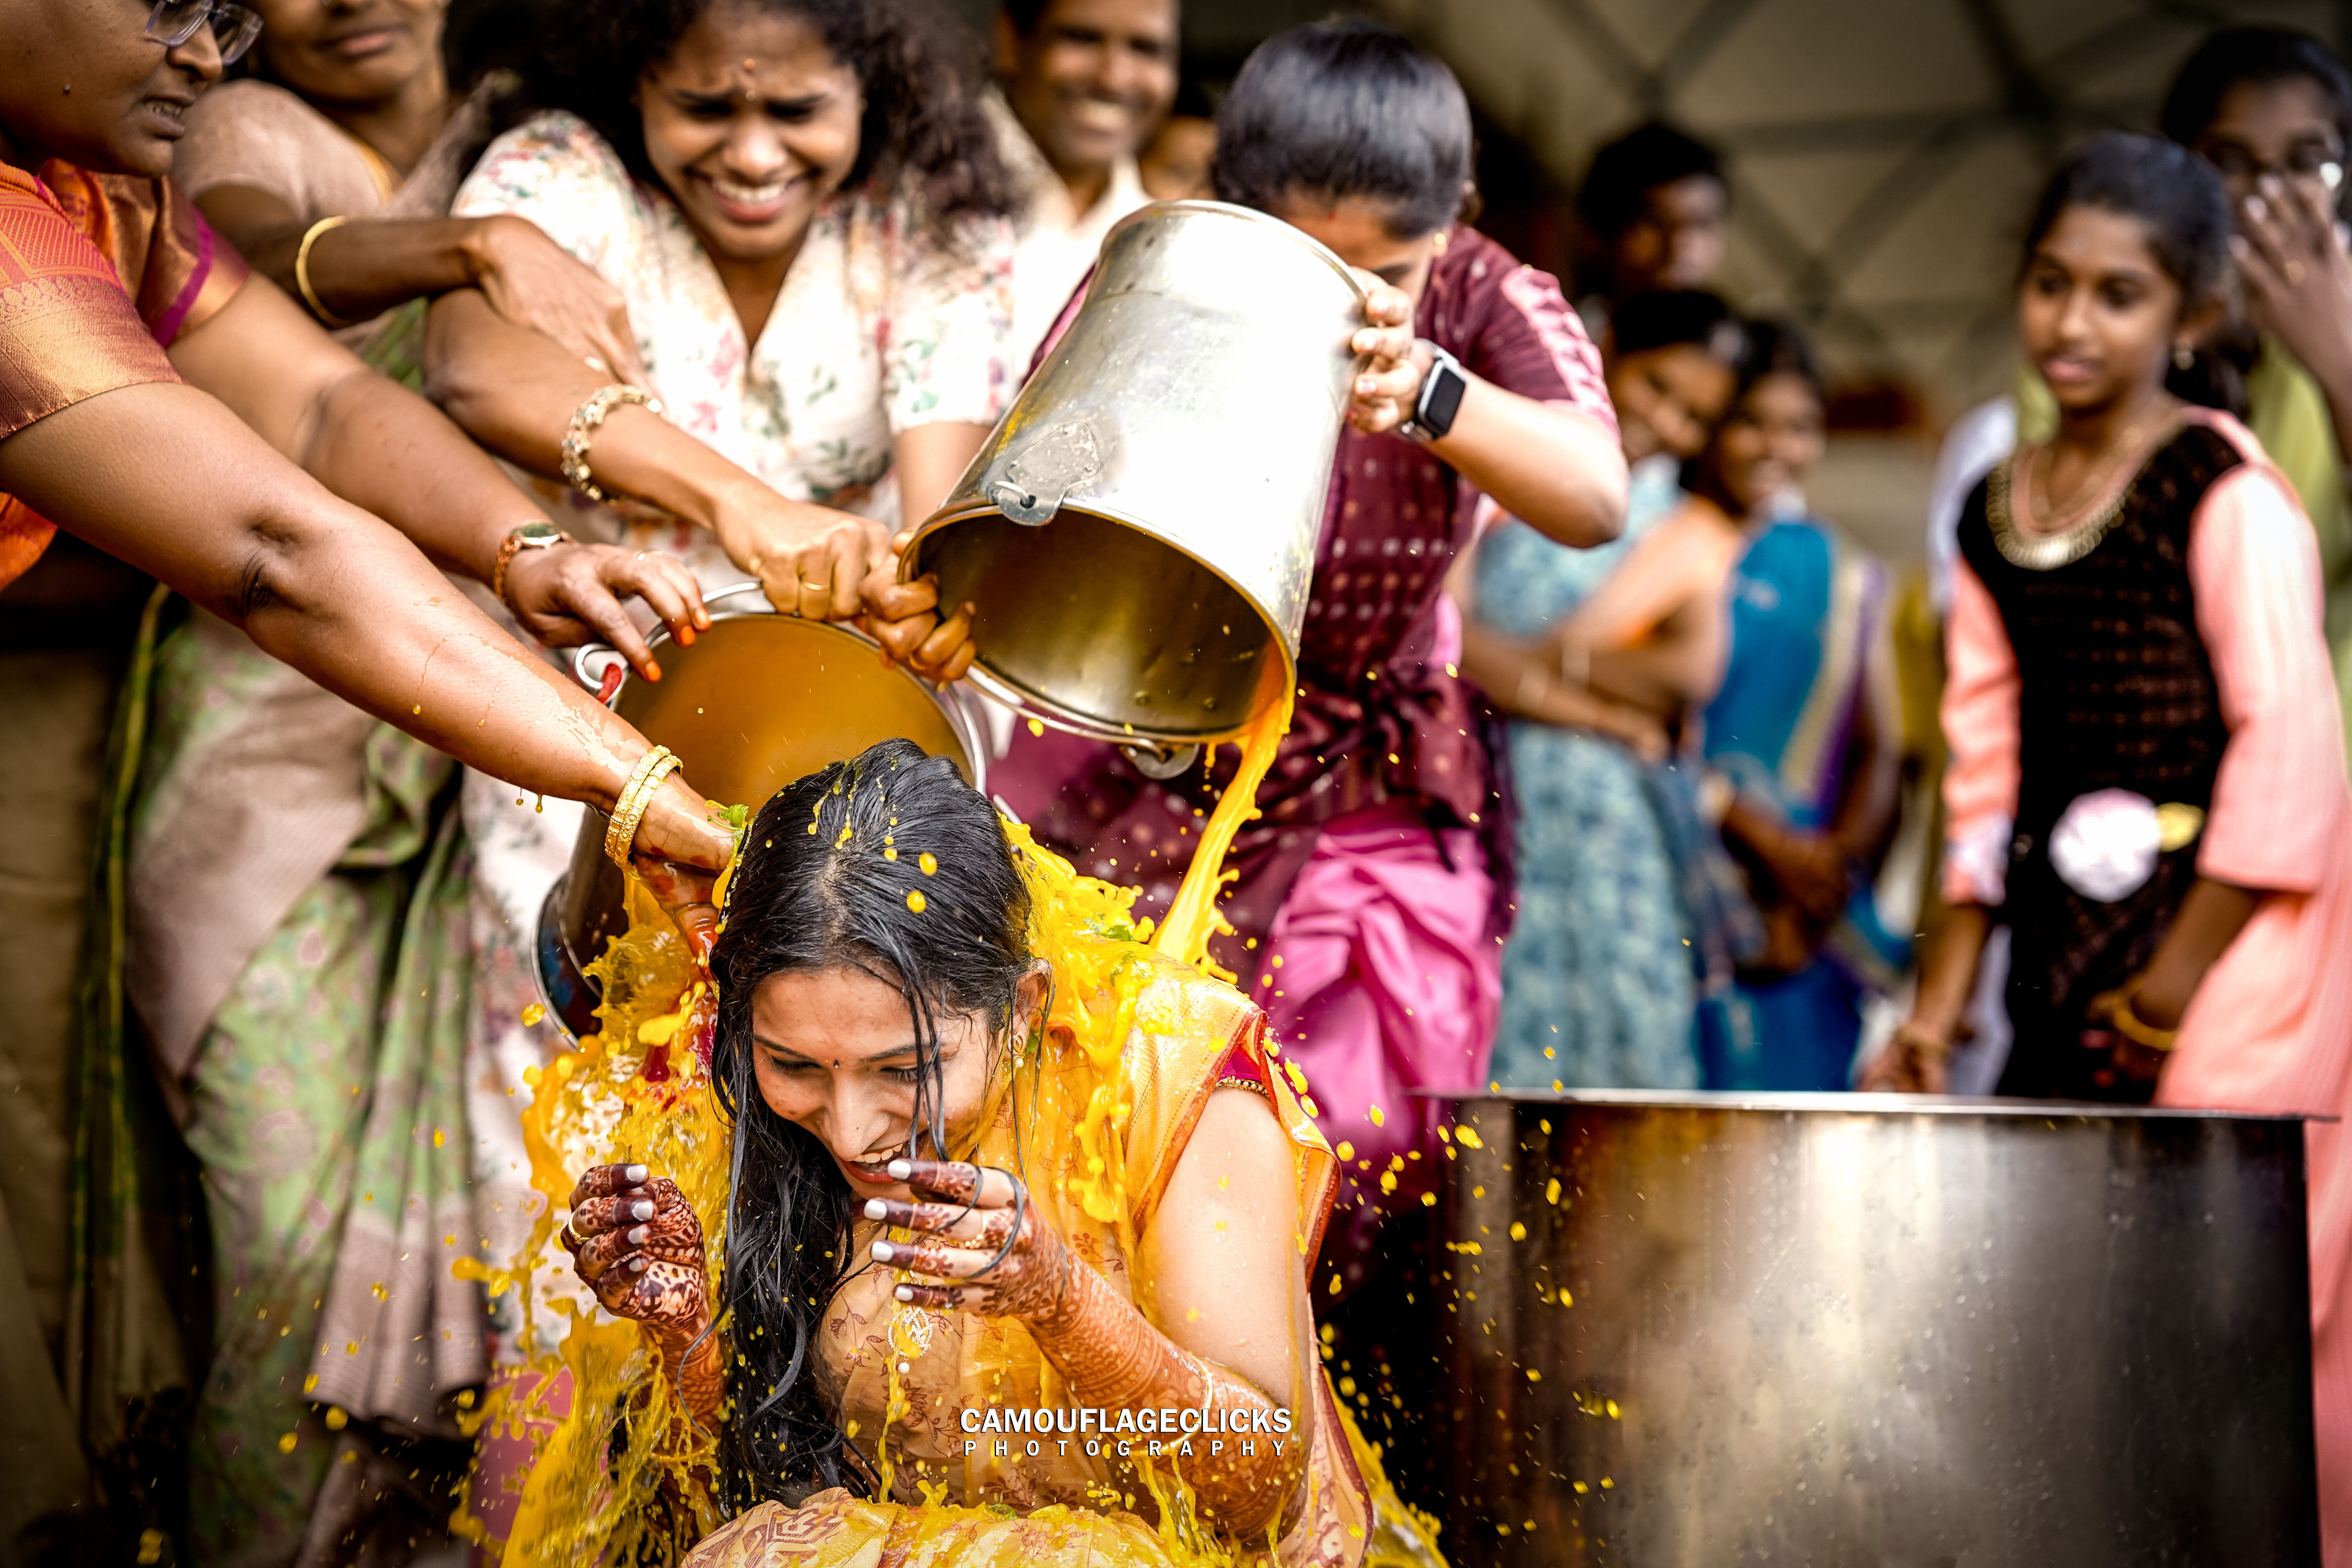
<point>2146,781</point>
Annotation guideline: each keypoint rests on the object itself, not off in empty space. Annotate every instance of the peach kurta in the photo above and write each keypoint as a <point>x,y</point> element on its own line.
<point>2270,1026</point>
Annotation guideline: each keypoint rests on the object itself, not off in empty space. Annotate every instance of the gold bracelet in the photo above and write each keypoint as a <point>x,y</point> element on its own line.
<point>2136,1030</point>
<point>302,271</point>
<point>585,419</point>
<point>644,782</point>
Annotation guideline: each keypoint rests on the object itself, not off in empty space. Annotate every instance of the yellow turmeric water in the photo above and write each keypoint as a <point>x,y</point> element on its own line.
<point>620,1478</point>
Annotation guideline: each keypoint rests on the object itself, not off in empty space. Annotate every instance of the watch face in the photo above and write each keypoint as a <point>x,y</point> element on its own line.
<point>538,533</point>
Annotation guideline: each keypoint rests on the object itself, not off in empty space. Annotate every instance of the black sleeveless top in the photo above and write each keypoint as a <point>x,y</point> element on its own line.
<point>2116,691</point>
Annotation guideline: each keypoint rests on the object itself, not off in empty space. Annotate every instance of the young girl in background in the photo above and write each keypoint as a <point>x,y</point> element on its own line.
<point>1806,731</point>
<point>1599,989</point>
<point>2147,782</point>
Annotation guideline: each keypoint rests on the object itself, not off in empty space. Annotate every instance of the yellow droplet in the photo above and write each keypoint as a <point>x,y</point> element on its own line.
<point>1582,1488</point>
<point>1468,1138</point>
<point>1346,1150</point>
<point>309,1382</point>
<point>465,1399</point>
<point>286,1444</point>
<point>1429,1200</point>
<point>1534,1376</point>
<point>1612,1410</point>
<point>1191,1314</point>
<point>1551,1191</point>
<point>915,900</point>
<point>1606,1482</point>
<point>533,1014</point>
<point>151,1548</point>
<point>381,1293</point>
<point>1388,1181</point>
<point>928,862</point>
<point>889,854</point>
<point>336,1419</point>
<point>531,1074</point>
<point>440,1137</point>
<point>1037,727</point>
<point>1518,1231</point>
<point>1380,1117</point>
<point>1335,1284</point>
<point>350,1347</point>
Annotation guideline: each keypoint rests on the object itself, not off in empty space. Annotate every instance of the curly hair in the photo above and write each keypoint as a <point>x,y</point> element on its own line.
<point>924,134</point>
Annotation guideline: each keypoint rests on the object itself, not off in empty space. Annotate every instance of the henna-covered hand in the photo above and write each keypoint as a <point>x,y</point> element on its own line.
<point>634,1242</point>
<point>990,1251</point>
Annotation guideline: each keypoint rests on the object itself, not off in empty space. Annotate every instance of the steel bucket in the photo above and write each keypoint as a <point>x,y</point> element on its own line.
<point>1139,532</point>
<point>758,700</point>
<point>1863,1330</point>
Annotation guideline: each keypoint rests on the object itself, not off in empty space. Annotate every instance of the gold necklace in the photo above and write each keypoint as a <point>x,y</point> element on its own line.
<point>2046,550</point>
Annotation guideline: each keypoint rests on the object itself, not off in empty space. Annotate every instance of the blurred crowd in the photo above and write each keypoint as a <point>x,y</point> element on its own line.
<point>1616,764</point>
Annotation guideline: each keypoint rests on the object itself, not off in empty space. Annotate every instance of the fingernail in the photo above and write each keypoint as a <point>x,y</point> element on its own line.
<point>642,1209</point>
<point>899,1170</point>
<point>640,1234</point>
<point>876,1209</point>
<point>636,1266</point>
<point>904,1292</point>
<point>653,672</point>
<point>633,1174</point>
<point>882,1253</point>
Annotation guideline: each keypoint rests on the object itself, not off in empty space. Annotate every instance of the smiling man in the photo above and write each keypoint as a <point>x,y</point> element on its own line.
<point>1088,82</point>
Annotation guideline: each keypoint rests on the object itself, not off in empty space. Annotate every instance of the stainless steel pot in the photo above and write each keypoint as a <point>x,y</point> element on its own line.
<point>758,700</point>
<point>1139,532</point>
<point>1686,1329</point>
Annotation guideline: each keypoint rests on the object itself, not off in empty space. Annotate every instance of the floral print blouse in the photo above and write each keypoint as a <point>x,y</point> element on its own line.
<point>877,328</point>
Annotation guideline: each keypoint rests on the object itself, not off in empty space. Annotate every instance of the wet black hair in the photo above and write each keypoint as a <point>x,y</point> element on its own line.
<point>824,882</point>
<point>2185,212</point>
<point>1336,109</point>
<point>2260,56</point>
<point>924,132</point>
<point>1627,169</point>
<point>1671,317</point>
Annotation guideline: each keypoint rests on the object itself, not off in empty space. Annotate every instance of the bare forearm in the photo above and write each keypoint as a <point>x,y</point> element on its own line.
<point>2210,920</point>
<point>390,452</point>
<point>166,479</point>
<point>358,269</point>
<point>1552,468</point>
<point>1664,677</point>
<point>515,391</point>
<point>1947,975</point>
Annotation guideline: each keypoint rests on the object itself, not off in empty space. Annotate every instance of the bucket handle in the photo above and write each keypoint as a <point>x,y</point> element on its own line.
<point>601,667</point>
<point>1156,760</point>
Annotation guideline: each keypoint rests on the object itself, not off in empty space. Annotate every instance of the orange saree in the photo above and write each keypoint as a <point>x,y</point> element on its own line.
<point>98,275</point>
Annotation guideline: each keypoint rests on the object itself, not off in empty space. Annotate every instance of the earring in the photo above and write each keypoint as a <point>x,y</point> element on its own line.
<point>1437,242</point>
<point>2183,356</point>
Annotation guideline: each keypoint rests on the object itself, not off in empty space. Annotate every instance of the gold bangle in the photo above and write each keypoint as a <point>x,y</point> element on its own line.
<point>302,271</point>
<point>2136,1030</point>
<point>629,810</point>
<point>585,420</point>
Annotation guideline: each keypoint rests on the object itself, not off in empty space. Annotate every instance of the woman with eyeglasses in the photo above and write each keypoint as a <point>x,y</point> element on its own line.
<point>152,394</point>
<point>330,165</point>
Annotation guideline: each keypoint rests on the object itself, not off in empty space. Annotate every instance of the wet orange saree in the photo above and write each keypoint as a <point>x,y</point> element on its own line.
<point>98,275</point>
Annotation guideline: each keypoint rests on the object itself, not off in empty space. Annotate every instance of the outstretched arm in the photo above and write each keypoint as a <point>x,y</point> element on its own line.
<point>164,476</point>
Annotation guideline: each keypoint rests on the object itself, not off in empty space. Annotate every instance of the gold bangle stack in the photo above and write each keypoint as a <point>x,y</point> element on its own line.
<point>302,271</point>
<point>629,810</point>
<point>585,420</point>
<point>2138,1030</point>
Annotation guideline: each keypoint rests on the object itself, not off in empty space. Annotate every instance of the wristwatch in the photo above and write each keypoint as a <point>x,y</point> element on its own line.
<point>1441,398</point>
<point>539,534</point>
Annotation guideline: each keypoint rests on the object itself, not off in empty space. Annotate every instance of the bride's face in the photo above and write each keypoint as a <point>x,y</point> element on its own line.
<point>834,1053</point>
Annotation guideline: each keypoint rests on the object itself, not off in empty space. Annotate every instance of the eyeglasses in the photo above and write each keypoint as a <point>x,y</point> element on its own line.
<point>173,22</point>
<point>2305,163</point>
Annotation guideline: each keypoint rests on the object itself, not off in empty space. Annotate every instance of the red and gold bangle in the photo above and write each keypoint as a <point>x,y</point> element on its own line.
<point>2136,1030</point>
